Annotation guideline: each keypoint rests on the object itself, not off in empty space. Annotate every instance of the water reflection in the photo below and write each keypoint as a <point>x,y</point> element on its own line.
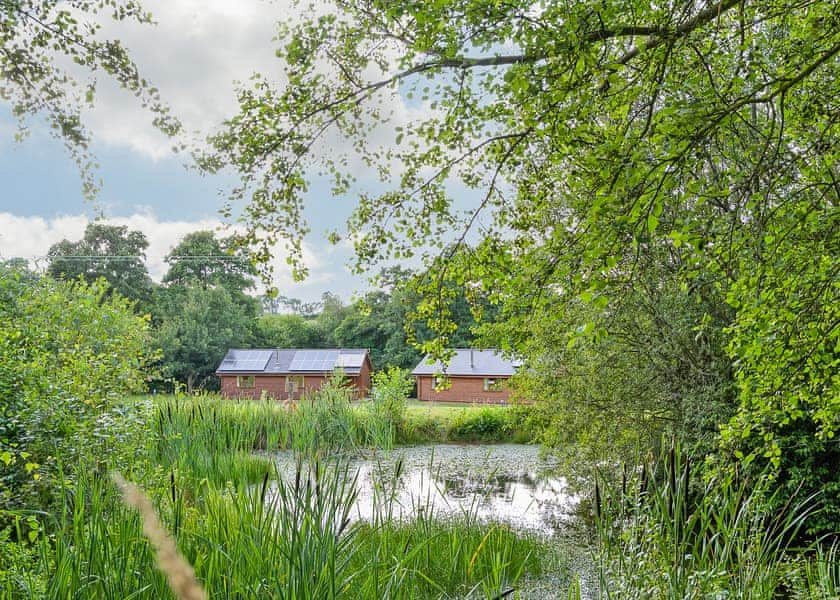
<point>503,482</point>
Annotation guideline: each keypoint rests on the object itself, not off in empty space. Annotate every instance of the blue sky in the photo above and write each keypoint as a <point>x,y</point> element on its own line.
<point>144,185</point>
<point>194,54</point>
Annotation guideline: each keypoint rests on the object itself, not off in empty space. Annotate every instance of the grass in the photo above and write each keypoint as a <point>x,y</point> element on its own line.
<point>328,421</point>
<point>661,535</point>
<point>295,541</point>
<point>439,409</point>
<point>248,532</point>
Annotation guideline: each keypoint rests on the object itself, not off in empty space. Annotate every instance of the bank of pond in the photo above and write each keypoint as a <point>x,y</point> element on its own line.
<point>330,499</point>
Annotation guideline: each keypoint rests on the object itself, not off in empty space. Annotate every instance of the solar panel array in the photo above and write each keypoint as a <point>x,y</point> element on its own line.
<point>314,360</point>
<point>247,360</point>
<point>350,361</point>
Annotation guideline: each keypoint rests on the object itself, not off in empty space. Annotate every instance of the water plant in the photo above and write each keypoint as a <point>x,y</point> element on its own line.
<point>663,534</point>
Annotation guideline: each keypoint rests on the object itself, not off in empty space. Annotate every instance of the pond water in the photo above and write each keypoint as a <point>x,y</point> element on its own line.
<point>508,483</point>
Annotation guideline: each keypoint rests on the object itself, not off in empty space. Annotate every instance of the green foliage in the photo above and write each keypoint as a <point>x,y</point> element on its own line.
<point>655,364</point>
<point>296,540</point>
<point>468,423</point>
<point>289,331</point>
<point>40,39</point>
<point>68,352</point>
<point>483,424</point>
<point>619,156</point>
<point>391,389</point>
<point>110,252</point>
<point>661,537</point>
<point>197,327</point>
<point>389,322</point>
<point>202,259</point>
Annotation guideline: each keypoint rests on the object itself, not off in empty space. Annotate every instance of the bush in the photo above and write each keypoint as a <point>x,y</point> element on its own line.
<point>391,389</point>
<point>68,352</point>
<point>484,424</point>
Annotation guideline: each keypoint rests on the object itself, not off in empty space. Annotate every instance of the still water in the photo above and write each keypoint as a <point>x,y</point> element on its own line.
<point>507,483</point>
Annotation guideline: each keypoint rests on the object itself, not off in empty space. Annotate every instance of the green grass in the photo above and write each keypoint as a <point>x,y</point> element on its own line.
<point>294,542</point>
<point>440,409</point>
<point>327,421</point>
<point>664,535</point>
<point>250,533</point>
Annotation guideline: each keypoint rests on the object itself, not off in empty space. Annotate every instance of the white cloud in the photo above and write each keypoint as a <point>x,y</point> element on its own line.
<point>193,55</point>
<point>31,238</point>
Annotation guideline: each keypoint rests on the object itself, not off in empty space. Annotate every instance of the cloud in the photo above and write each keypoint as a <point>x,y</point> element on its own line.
<point>193,55</point>
<point>31,238</point>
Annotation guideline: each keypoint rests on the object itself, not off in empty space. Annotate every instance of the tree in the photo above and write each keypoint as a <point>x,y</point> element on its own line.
<point>289,331</point>
<point>110,252</point>
<point>202,259</point>
<point>600,139</point>
<point>197,328</point>
<point>41,35</point>
<point>68,352</point>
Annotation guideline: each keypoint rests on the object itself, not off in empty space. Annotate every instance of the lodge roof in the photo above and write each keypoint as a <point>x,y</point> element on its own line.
<point>267,361</point>
<point>469,362</point>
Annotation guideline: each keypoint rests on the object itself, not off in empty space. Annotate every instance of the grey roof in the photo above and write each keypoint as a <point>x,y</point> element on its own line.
<point>467,361</point>
<point>290,361</point>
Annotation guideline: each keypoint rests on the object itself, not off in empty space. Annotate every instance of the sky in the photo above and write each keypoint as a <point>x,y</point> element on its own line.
<point>194,54</point>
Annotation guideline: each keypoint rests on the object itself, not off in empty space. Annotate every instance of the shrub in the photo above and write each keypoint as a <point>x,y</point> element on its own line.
<point>482,425</point>
<point>68,352</point>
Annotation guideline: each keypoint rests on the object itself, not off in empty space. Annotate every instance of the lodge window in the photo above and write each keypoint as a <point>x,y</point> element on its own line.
<point>293,383</point>
<point>492,384</point>
<point>245,381</point>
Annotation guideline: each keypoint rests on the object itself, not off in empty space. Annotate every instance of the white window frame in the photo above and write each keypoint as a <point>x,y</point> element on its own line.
<point>493,384</point>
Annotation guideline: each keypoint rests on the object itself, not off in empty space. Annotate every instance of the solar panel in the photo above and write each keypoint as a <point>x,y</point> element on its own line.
<point>352,361</point>
<point>314,360</point>
<point>247,360</point>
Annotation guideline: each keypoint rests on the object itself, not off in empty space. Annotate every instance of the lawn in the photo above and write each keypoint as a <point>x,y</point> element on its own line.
<point>441,409</point>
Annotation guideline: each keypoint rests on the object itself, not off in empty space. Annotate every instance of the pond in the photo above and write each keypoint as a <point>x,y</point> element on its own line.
<point>507,483</point>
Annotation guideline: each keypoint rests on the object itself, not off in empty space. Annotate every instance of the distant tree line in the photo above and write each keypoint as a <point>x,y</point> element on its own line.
<point>205,304</point>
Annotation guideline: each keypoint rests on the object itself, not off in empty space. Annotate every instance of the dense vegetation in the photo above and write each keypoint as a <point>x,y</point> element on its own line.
<point>64,530</point>
<point>653,228</point>
<point>655,211</point>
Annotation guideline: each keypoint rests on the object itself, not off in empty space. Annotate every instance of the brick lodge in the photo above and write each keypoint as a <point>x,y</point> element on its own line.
<point>474,376</point>
<point>288,374</point>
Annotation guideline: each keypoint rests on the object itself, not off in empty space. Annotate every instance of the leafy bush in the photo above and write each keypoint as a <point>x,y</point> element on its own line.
<point>68,352</point>
<point>484,424</point>
<point>659,538</point>
<point>391,389</point>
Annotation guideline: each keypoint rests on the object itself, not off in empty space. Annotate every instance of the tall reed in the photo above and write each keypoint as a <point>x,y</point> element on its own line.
<point>292,539</point>
<point>659,538</point>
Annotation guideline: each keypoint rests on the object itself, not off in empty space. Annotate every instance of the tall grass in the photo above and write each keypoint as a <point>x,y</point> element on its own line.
<point>205,433</point>
<point>662,536</point>
<point>294,539</point>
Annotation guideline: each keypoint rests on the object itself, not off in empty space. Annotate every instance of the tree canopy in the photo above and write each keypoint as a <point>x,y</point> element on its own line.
<point>201,258</point>
<point>111,252</point>
<point>601,141</point>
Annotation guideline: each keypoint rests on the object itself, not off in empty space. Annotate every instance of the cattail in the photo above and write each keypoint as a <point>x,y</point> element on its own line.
<point>179,573</point>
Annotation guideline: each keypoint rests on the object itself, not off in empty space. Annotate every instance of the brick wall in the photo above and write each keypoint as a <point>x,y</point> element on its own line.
<point>462,389</point>
<point>274,386</point>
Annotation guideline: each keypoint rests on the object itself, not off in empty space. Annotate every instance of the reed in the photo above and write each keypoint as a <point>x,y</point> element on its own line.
<point>660,536</point>
<point>293,538</point>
